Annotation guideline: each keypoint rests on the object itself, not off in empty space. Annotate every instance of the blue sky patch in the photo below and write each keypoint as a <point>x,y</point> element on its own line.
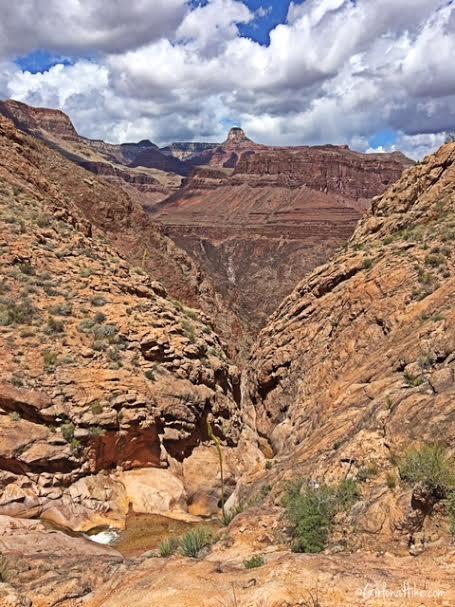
<point>259,30</point>
<point>41,61</point>
<point>385,138</point>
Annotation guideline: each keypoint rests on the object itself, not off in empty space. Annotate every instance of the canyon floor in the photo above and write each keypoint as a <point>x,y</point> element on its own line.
<point>328,442</point>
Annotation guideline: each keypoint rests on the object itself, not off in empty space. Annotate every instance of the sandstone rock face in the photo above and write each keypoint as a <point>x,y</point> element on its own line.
<point>107,385</point>
<point>276,216</point>
<point>101,372</point>
<point>354,364</point>
<point>286,579</point>
<point>50,566</point>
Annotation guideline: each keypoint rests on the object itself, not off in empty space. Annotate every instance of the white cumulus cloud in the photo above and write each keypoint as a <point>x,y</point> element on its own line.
<point>337,71</point>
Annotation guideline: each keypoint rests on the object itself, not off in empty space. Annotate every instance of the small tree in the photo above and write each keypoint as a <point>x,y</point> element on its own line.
<point>450,137</point>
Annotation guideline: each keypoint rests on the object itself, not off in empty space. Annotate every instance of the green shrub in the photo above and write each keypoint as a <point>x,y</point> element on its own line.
<point>255,561</point>
<point>229,516</point>
<point>55,326</point>
<point>96,408</point>
<point>430,465</point>
<point>104,331</point>
<point>98,301</point>
<point>434,261</point>
<point>113,354</point>
<point>366,472</point>
<point>68,431</point>
<point>413,380</point>
<point>61,310</point>
<point>391,480</point>
<point>43,221</point>
<point>85,272</point>
<point>194,541</point>
<point>311,509</point>
<point>12,313</point>
<point>150,374</point>
<point>76,447</point>
<point>86,326</point>
<point>50,360</point>
<point>367,263</point>
<point>27,268</point>
<point>188,330</point>
<point>168,547</point>
<point>347,493</point>
<point>191,314</point>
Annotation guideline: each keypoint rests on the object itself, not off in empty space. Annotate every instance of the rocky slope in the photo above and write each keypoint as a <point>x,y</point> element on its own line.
<point>156,178</point>
<point>95,356</point>
<point>355,367</point>
<point>115,211</point>
<point>107,385</point>
<point>277,215</point>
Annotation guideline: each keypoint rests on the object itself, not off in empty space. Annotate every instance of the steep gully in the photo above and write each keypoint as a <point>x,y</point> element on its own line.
<point>137,405</point>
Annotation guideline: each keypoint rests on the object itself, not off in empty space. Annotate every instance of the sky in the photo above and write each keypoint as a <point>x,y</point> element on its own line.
<point>377,75</point>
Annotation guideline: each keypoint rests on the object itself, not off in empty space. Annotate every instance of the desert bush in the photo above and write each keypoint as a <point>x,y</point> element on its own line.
<point>391,480</point>
<point>413,380</point>
<point>96,408</point>
<point>188,330</point>
<point>62,310</point>
<point>98,301</point>
<point>50,360</point>
<point>255,561</point>
<point>191,313</point>
<point>434,260</point>
<point>26,268</point>
<point>12,313</point>
<point>430,465</point>
<point>230,515</point>
<point>85,272</point>
<point>311,509</point>
<point>76,447</point>
<point>68,431</point>
<point>43,221</point>
<point>55,326</point>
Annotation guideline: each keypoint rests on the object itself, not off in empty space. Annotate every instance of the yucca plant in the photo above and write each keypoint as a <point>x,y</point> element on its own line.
<point>168,547</point>
<point>194,541</point>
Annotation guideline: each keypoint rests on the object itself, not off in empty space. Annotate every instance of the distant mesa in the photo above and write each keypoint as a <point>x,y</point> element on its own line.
<point>236,135</point>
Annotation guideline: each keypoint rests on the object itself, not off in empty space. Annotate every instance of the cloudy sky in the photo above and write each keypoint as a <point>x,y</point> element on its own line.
<point>375,74</point>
